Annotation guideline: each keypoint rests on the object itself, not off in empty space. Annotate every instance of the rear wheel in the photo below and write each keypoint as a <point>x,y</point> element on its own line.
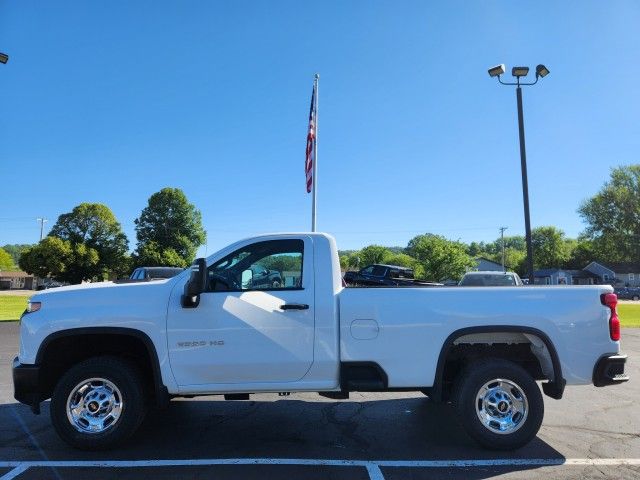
<point>98,403</point>
<point>499,404</point>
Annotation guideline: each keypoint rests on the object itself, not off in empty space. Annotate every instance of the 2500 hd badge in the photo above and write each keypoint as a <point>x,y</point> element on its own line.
<point>201,343</point>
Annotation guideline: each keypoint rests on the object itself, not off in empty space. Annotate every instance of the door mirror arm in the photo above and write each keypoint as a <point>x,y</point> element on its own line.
<point>196,284</point>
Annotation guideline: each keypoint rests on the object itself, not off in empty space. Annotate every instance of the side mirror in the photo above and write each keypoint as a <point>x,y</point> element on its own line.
<point>196,284</point>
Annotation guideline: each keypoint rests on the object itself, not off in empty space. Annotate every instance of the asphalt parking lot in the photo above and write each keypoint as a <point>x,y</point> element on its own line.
<point>591,433</point>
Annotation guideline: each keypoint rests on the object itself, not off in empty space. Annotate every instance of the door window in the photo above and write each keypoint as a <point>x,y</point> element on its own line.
<point>379,271</point>
<point>270,265</point>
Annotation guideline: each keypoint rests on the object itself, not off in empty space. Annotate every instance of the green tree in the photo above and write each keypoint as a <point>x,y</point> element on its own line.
<point>15,250</point>
<point>169,230</point>
<point>550,249</point>
<point>49,258</point>
<point>477,249</point>
<point>60,259</point>
<point>400,259</point>
<point>373,254</point>
<point>515,252</point>
<point>581,253</point>
<point>439,258</point>
<point>355,261</point>
<point>93,227</point>
<point>6,260</point>
<point>514,260</point>
<point>344,261</point>
<point>613,216</point>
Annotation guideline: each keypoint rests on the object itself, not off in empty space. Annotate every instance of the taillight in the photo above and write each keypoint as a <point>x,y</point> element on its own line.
<point>611,301</point>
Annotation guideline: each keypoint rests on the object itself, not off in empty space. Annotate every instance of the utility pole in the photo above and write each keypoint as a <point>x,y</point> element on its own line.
<point>42,221</point>
<point>502,229</point>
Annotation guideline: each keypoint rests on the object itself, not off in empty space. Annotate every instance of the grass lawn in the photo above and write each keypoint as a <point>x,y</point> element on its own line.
<point>12,306</point>
<point>629,314</point>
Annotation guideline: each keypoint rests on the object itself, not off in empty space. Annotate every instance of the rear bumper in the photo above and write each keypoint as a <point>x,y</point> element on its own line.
<point>609,370</point>
<point>26,384</point>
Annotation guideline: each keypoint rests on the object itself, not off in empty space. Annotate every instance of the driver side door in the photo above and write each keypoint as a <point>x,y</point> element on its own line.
<point>246,332</point>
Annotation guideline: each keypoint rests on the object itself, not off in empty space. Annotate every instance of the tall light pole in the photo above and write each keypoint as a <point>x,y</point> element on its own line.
<point>518,73</point>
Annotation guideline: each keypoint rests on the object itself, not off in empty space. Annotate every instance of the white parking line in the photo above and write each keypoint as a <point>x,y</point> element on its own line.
<point>372,466</point>
<point>14,473</point>
<point>374,472</point>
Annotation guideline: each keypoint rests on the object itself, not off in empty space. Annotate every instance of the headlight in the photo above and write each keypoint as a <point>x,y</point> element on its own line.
<point>33,306</point>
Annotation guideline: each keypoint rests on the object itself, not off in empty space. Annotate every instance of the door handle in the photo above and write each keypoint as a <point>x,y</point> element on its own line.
<point>294,306</point>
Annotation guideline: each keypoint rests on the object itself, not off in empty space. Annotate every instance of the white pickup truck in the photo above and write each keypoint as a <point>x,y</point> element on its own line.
<point>106,352</point>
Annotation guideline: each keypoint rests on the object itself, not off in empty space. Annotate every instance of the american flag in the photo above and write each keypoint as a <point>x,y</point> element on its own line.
<point>311,141</point>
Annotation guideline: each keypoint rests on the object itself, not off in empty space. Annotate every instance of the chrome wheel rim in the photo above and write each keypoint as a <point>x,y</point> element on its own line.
<point>502,406</point>
<point>94,405</point>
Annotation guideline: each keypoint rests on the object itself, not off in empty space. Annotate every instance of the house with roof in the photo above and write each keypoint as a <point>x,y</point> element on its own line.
<point>561,276</point>
<point>17,281</point>
<point>618,274</point>
<point>596,273</point>
<point>486,265</point>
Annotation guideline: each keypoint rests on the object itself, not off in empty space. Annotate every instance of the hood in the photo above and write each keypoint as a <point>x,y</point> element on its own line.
<point>105,290</point>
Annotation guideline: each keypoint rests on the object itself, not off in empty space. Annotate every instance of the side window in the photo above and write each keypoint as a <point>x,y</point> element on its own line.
<point>379,271</point>
<point>368,270</point>
<point>271,265</point>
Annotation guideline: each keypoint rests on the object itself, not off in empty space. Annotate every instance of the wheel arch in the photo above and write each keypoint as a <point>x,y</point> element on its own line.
<point>553,388</point>
<point>106,335</point>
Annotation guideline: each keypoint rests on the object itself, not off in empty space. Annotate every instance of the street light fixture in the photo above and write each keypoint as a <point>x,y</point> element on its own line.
<point>497,70</point>
<point>541,71</point>
<point>4,58</point>
<point>519,73</point>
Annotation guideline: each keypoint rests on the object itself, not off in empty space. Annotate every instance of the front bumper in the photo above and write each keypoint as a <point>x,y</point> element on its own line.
<point>609,370</point>
<point>26,384</point>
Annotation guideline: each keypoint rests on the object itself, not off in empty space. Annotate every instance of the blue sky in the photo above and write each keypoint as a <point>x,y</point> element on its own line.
<point>111,101</point>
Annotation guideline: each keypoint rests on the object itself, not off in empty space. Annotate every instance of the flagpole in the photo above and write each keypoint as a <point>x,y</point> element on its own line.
<point>314,193</point>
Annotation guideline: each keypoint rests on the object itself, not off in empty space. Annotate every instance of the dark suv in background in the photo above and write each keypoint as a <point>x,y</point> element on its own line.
<point>380,275</point>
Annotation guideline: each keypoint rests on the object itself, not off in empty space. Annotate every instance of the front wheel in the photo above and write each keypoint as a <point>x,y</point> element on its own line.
<point>499,404</point>
<point>98,403</point>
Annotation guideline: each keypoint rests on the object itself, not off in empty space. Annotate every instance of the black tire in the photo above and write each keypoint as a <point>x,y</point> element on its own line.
<point>125,377</point>
<point>467,388</point>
